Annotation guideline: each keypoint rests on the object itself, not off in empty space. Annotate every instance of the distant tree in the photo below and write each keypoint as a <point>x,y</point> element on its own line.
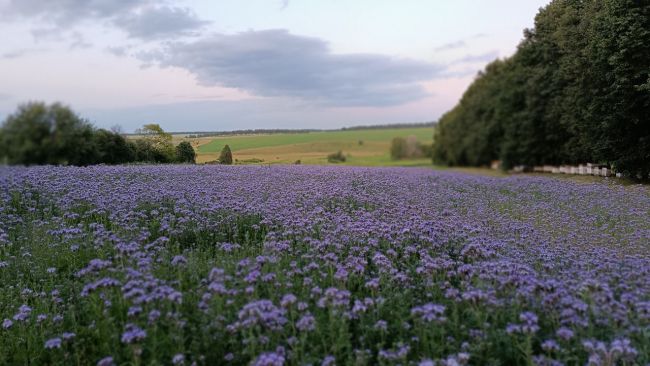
<point>398,148</point>
<point>226,156</point>
<point>185,153</point>
<point>160,141</point>
<point>47,134</point>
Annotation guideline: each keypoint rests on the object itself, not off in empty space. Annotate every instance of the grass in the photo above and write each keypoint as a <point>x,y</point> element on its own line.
<point>313,147</point>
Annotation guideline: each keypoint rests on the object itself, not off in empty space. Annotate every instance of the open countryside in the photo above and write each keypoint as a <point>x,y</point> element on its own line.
<point>363,147</point>
<point>176,186</point>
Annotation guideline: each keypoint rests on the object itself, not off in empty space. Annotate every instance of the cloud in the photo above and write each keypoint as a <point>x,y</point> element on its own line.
<point>4,96</point>
<point>461,43</point>
<point>481,58</point>
<point>451,46</point>
<point>143,19</point>
<point>284,4</point>
<point>276,63</point>
<point>161,22</point>
<point>64,13</point>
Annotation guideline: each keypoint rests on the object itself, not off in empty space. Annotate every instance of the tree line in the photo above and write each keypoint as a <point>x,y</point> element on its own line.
<point>38,134</point>
<point>577,90</point>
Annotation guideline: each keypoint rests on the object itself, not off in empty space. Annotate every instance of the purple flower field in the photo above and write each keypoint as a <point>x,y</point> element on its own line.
<point>297,265</point>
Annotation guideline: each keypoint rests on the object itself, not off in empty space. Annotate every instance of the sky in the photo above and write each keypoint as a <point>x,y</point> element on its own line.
<point>243,64</point>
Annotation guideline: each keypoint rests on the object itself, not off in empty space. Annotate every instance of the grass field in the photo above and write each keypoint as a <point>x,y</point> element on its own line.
<point>362,147</point>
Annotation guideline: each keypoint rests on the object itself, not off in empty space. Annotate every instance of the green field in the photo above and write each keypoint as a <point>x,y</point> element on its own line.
<point>362,147</point>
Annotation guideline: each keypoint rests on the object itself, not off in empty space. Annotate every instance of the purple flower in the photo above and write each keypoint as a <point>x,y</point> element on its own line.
<point>306,323</point>
<point>53,343</point>
<point>178,359</point>
<point>6,324</point>
<point>179,260</point>
<point>106,361</point>
<point>133,334</point>
<point>269,359</point>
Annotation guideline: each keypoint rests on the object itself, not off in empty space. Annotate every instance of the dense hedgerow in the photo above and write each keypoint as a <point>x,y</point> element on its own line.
<point>314,265</point>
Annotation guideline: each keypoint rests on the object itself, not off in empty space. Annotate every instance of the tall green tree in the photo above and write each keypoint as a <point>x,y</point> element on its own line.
<point>577,90</point>
<point>185,153</point>
<point>226,156</point>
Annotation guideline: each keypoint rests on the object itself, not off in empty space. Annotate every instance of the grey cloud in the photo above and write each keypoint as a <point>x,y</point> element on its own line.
<point>451,46</point>
<point>276,63</point>
<point>162,22</point>
<point>5,96</point>
<point>461,43</point>
<point>68,12</point>
<point>484,57</point>
<point>143,19</point>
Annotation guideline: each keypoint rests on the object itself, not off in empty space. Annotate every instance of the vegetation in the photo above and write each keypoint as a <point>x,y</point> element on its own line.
<point>408,148</point>
<point>226,156</point>
<point>577,90</point>
<point>336,157</point>
<point>40,134</point>
<point>185,153</point>
<point>183,265</point>
<point>313,147</point>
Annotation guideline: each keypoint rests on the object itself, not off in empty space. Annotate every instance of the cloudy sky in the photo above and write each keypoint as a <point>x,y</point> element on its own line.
<point>232,64</point>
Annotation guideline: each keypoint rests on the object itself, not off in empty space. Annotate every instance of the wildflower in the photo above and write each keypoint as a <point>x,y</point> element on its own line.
<point>178,359</point>
<point>106,361</point>
<point>6,324</point>
<point>53,343</point>
<point>133,333</point>
<point>306,323</point>
<point>178,260</point>
<point>269,359</point>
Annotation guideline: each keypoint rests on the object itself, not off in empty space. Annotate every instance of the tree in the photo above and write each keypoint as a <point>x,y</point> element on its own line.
<point>47,134</point>
<point>112,148</point>
<point>185,153</point>
<point>160,141</point>
<point>577,90</point>
<point>226,156</point>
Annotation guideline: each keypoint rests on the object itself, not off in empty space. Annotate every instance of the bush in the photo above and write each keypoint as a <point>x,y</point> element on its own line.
<point>226,156</point>
<point>336,157</point>
<point>398,148</point>
<point>185,153</point>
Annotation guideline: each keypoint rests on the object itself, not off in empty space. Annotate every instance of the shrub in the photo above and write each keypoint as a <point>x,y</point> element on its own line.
<point>226,156</point>
<point>336,157</point>
<point>398,148</point>
<point>185,153</point>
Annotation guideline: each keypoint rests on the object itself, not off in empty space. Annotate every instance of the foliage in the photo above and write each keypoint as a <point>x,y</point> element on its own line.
<point>160,141</point>
<point>226,156</point>
<point>185,153</point>
<point>112,148</point>
<point>408,148</point>
<point>337,157</point>
<point>298,265</point>
<point>577,90</point>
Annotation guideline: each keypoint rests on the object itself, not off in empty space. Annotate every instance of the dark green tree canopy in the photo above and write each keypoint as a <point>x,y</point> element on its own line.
<point>47,134</point>
<point>577,90</point>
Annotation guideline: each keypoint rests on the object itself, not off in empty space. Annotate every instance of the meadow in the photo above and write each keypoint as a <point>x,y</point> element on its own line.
<point>296,265</point>
<point>363,147</point>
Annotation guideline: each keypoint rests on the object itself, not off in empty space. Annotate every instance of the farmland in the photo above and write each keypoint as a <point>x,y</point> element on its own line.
<point>363,147</point>
<point>324,265</point>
